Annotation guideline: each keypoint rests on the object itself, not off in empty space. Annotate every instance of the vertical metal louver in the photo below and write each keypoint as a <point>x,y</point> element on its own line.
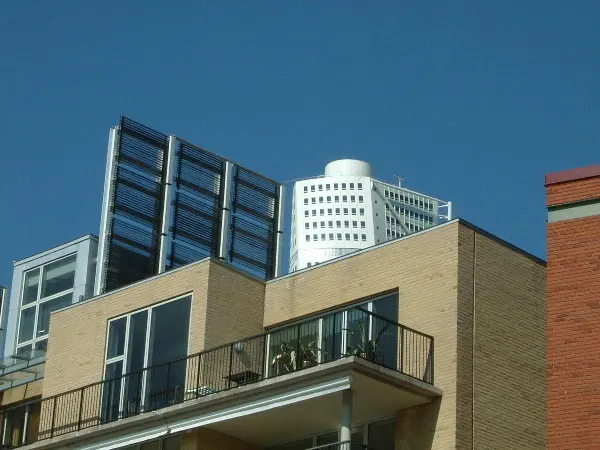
<point>168,203</point>
<point>197,204</point>
<point>134,227</point>
<point>255,209</point>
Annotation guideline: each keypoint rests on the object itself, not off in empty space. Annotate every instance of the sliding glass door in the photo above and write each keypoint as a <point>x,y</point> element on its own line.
<point>139,371</point>
<point>367,331</point>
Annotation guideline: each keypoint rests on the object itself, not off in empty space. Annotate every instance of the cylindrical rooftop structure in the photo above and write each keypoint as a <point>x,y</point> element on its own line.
<point>348,167</point>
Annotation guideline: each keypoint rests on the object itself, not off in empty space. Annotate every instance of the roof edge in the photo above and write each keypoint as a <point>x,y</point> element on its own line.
<point>572,175</point>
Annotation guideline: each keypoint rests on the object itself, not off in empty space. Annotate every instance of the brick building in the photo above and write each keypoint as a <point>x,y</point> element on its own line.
<point>431,341</point>
<point>573,201</point>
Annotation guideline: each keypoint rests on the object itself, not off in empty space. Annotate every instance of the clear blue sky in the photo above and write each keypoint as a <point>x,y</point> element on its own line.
<point>469,101</point>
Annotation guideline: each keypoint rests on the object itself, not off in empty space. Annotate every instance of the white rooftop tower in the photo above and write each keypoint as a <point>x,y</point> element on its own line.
<point>347,209</point>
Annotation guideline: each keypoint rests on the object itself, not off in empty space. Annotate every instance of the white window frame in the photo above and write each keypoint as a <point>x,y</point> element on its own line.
<point>38,302</point>
<point>124,356</point>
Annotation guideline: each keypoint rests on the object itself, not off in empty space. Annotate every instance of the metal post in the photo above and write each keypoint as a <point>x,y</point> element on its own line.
<point>401,349</point>
<point>105,220</point>
<point>225,210</point>
<point>279,231</point>
<point>25,424</point>
<point>80,409</point>
<point>346,425</point>
<point>167,197</point>
<point>198,375</point>
<point>53,419</point>
<point>230,366</point>
<point>4,427</point>
<point>298,351</point>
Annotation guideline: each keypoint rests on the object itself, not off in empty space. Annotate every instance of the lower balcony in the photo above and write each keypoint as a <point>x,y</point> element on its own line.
<point>328,372</point>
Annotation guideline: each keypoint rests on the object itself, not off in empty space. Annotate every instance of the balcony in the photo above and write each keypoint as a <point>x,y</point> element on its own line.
<point>303,352</point>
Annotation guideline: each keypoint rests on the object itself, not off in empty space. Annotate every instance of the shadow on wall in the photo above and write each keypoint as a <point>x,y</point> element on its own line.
<point>415,427</point>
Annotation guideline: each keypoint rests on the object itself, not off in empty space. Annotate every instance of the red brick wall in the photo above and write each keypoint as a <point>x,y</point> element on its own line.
<point>573,299</point>
<point>573,191</point>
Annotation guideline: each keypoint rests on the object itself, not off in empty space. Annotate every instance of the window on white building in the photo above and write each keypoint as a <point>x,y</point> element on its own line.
<point>315,237</point>
<point>362,224</point>
<point>335,186</point>
<point>355,236</point>
<point>39,299</point>
<point>322,224</point>
<point>353,211</point>
<point>312,188</point>
<point>327,187</point>
<point>314,200</point>
<point>330,224</point>
<point>361,211</point>
<point>329,199</point>
<point>329,211</point>
<point>320,199</point>
<point>345,198</point>
<point>306,213</point>
<point>307,226</point>
<point>352,198</point>
<point>345,211</point>
<point>338,223</point>
<point>337,198</point>
<point>351,185</point>
<point>354,224</point>
<point>347,236</point>
<point>320,187</point>
<point>339,236</point>
<point>343,185</point>
<point>359,186</point>
<point>314,224</point>
<point>337,211</point>
<point>361,199</point>
<point>306,189</point>
<point>306,201</point>
<point>363,237</point>
<point>346,224</point>
<point>308,238</point>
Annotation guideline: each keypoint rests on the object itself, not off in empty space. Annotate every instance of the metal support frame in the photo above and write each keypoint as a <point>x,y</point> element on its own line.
<point>225,211</point>
<point>167,182</point>
<point>346,423</point>
<point>279,231</point>
<point>107,202</point>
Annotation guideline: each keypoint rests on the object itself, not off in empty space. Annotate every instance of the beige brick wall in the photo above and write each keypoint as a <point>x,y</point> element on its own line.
<point>509,348</point>
<point>22,393</point>
<point>424,270</point>
<point>206,439</point>
<point>235,306</point>
<point>77,336</point>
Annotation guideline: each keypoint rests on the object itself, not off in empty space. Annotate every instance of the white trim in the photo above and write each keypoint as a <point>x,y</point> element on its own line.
<point>60,247</point>
<point>127,440</point>
<point>288,398</point>
<point>105,220</point>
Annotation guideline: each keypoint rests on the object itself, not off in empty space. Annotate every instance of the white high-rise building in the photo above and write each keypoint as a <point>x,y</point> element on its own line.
<point>347,209</point>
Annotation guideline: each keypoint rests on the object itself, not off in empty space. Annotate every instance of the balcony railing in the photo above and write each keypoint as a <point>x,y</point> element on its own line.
<point>354,332</point>
<point>345,445</point>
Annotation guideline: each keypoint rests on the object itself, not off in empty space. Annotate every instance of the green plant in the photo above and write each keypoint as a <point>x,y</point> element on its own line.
<point>366,348</point>
<point>288,356</point>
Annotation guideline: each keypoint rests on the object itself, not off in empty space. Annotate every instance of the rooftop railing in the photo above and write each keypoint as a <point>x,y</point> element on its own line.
<point>354,332</point>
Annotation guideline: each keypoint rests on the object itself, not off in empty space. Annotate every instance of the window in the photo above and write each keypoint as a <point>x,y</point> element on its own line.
<point>39,299</point>
<point>315,237</point>
<point>308,238</point>
<point>338,223</point>
<point>354,224</point>
<point>314,200</point>
<point>331,236</point>
<point>335,186</point>
<point>314,224</point>
<point>359,186</point>
<point>320,187</point>
<point>337,211</point>
<point>346,224</point>
<point>329,199</point>
<point>314,212</point>
<point>329,211</point>
<point>363,237</point>
<point>323,236</point>
<point>337,198</point>
<point>353,211</point>
<point>322,224</point>
<point>361,199</point>
<point>347,236</point>
<point>306,201</point>
<point>327,187</point>
<point>321,212</point>
<point>339,236</point>
<point>351,185</point>
<point>306,189</point>
<point>312,188</point>
<point>320,199</point>
<point>345,198</point>
<point>355,236</point>
<point>362,224</point>
<point>306,226</point>
<point>361,211</point>
<point>386,193</point>
<point>143,339</point>
<point>306,213</point>
<point>330,224</point>
<point>308,264</point>
<point>343,185</point>
<point>345,211</point>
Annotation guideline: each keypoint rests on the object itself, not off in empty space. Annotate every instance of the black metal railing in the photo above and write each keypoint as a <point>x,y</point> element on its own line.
<point>353,332</point>
<point>344,445</point>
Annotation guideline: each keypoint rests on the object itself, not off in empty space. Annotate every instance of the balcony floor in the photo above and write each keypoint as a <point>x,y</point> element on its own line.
<point>271,411</point>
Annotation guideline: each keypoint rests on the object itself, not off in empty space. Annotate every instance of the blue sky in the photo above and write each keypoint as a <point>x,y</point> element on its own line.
<point>469,101</point>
